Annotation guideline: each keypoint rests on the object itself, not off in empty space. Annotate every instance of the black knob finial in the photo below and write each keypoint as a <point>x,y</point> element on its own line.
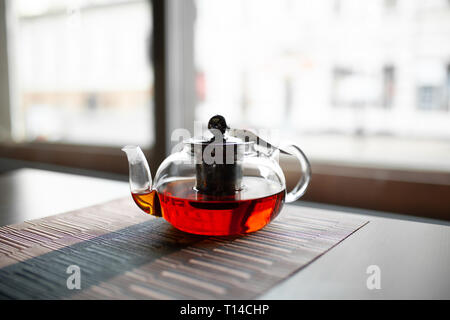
<point>218,122</point>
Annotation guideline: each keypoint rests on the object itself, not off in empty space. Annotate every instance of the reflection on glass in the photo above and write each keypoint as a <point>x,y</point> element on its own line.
<point>352,81</point>
<point>82,71</point>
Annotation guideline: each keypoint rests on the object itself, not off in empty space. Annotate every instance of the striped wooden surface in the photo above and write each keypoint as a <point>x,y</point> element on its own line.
<point>124,254</point>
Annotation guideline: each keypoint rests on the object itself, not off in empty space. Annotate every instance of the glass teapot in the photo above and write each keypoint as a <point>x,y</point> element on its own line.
<point>228,184</point>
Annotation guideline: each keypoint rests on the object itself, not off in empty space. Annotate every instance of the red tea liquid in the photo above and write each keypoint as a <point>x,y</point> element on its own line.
<point>186,209</point>
<point>148,202</point>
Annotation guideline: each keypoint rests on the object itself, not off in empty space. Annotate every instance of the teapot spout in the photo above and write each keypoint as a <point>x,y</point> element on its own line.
<point>139,171</point>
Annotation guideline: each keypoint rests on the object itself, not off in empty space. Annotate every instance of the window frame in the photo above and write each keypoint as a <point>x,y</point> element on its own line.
<point>5,79</point>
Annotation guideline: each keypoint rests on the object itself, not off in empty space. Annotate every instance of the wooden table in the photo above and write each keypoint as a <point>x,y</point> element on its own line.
<point>413,256</point>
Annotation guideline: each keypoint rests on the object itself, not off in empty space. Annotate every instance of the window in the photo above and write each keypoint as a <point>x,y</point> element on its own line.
<point>82,72</point>
<point>358,87</point>
<point>388,86</point>
<point>354,88</point>
<point>447,91</point>
<point>363,89</point>
<point>429,98</point>
<point>390,4</point>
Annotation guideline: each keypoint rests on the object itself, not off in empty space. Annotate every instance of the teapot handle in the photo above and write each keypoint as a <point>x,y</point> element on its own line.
<point>305,168</point>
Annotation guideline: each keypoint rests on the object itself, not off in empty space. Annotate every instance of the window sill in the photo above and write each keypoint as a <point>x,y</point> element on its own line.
<point>99,158</point>
<point>416,193</point>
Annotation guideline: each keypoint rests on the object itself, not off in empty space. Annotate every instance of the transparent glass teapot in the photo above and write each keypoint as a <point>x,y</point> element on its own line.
<point>225,185</point>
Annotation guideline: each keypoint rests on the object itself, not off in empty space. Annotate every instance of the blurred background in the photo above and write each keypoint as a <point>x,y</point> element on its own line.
<point>363,87</point>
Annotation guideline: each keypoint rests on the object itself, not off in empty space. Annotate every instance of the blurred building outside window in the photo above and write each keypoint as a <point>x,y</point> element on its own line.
<point>82,71</point>
<point>363,83</point>
<point>359,82</point>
